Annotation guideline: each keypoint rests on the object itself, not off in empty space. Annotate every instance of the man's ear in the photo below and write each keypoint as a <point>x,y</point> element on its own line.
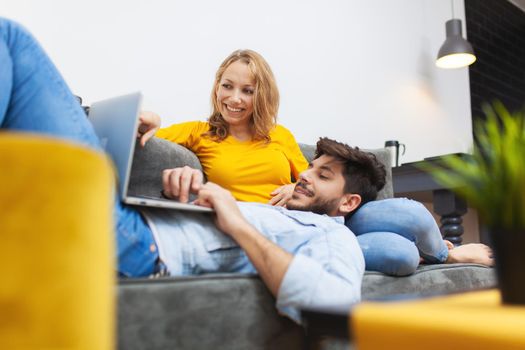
<point>349,203</point>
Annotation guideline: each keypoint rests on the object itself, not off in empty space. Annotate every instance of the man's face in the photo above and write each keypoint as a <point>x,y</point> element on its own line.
<point>320,188</point>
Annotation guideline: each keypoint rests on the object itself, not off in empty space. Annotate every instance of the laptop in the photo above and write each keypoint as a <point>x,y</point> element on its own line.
<point>116,122</point>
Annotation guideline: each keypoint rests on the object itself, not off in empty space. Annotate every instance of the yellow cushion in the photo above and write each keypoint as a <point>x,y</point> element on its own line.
<point>57,274</point>
<point>475,320</point>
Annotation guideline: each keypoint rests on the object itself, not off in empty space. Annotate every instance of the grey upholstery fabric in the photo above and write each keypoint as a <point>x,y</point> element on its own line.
<point>428,280</point>
<point>308,151</point>
<point>221,311</point>
<point>384,157</point>
<point>150,161</point>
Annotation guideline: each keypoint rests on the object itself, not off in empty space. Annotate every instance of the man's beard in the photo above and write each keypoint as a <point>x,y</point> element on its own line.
<point>320,206</point>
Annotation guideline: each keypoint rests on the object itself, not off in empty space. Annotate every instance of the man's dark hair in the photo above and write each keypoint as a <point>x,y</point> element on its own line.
<point>363,173</point>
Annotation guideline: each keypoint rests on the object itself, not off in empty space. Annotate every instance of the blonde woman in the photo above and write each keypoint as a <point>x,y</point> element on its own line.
<point>241,147</point>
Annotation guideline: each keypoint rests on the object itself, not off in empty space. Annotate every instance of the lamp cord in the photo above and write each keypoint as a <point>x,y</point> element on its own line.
<point>452,6</point>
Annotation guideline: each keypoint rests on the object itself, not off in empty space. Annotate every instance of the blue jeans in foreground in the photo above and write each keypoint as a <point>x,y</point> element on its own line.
<point>394,233</point>
<point>35,98</point>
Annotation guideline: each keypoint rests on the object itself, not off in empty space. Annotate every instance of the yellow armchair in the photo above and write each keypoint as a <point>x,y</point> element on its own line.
<point>57,288</point>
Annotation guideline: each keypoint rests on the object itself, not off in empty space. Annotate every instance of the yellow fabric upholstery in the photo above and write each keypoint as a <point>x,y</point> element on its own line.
<point>475,320</point>
<point>57,274</point>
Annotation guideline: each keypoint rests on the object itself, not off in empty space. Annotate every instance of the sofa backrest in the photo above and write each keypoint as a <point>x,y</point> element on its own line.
<point>382,155</point>
<point>149,162</point>
<point>159,154</point>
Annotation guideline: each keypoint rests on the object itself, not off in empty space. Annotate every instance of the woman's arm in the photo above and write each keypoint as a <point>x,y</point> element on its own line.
<point>281,195</point>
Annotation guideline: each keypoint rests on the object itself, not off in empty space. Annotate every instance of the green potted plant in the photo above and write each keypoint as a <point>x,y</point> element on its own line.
<point>492,180</point>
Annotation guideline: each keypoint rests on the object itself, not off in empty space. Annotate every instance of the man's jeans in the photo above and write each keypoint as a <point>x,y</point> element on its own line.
<point>35,98</point>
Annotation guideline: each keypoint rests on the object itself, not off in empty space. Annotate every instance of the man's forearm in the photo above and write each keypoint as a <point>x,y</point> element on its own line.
<point>270,260</point>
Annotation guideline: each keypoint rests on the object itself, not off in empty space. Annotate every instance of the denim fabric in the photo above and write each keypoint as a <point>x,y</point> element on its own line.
<point>394,233</point>
<point>35,98</point>
<point>326,270</point>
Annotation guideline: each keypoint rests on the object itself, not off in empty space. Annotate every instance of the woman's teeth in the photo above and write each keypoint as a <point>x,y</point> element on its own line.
<point>233,109</point>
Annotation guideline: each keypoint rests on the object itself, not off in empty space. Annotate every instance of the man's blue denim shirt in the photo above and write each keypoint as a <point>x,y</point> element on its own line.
<point>326,271</point>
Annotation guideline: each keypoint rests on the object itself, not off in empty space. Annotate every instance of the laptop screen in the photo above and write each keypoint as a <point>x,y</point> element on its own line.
<point>115,121</point>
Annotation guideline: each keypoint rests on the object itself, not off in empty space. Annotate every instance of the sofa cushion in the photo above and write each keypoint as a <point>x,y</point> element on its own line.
<point>428,280</point>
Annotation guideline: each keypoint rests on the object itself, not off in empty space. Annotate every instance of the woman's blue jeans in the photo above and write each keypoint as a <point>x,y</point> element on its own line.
<point>35,98</point>
<point>394,233</point>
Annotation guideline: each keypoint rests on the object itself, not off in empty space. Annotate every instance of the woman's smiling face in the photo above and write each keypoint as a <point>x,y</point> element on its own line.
<point>235,94</point>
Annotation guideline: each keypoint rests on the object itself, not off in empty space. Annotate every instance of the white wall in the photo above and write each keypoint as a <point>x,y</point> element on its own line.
<point>360,71</point>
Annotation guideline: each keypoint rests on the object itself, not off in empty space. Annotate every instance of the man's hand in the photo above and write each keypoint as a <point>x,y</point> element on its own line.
<point>282,195</point>
<point>149,123</point>
<point>178,182</point>
<point>229,218</point>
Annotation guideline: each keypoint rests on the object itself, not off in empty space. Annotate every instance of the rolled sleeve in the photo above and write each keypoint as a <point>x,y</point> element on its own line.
<point>333,281</point>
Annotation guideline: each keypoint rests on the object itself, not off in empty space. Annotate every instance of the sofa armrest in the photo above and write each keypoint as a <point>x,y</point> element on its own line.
<point>214,311</point>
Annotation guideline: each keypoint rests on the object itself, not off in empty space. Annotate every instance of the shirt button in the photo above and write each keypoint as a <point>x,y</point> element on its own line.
<point>152,248</point>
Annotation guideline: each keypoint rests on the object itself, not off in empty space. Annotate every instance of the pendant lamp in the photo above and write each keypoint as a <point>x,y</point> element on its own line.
<point>456,52</point>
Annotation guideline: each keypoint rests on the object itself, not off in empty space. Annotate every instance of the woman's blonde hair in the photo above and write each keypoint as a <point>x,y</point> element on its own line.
<point>265,97</point>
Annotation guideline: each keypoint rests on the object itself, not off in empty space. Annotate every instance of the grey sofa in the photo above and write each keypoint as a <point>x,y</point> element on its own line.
<point>232,311</point>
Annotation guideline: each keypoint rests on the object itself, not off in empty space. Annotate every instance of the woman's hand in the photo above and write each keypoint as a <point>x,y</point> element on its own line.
<point>282,195</point>
<point>178,182</point>
<point>149,123</point>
